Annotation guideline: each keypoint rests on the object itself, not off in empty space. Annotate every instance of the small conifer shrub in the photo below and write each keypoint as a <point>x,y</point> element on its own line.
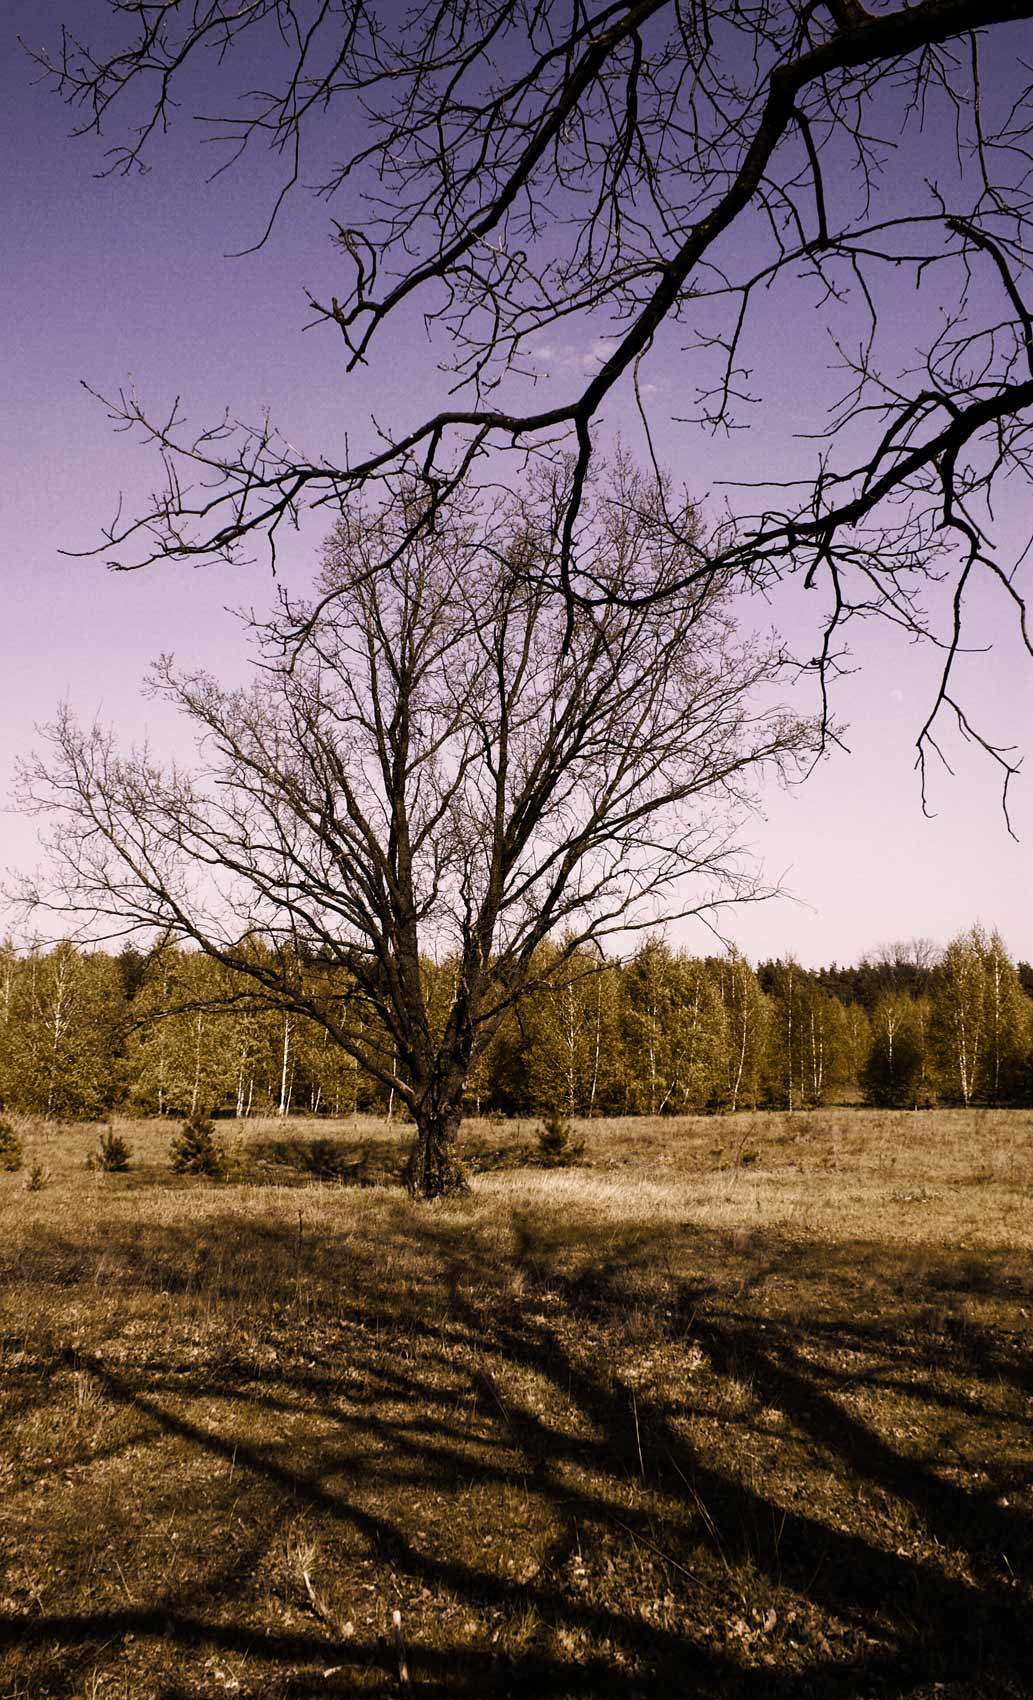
<point>11,1149</point>
<point>195,1150</point>
<point>37,1178</point>
<point>114,1155</point>
<point>557,1145</point>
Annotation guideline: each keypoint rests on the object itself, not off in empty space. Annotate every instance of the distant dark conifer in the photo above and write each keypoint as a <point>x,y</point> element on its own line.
<point>11,1149</point>
<point>195,1150</point>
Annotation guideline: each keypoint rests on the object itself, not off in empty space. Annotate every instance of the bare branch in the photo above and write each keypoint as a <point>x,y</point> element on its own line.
<point>621,171</point>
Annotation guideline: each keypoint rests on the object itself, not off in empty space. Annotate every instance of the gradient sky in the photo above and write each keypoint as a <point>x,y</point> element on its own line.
<point>104,278</point>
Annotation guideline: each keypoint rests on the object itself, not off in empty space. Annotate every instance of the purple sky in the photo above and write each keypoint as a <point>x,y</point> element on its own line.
<point>107,278</point>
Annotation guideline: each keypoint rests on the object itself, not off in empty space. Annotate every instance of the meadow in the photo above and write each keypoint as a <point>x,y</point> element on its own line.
<point>737,1407</point>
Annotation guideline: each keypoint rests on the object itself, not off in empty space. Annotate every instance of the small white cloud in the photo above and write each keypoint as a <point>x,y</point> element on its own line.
<point>600,350</point>
<point>567,356</point>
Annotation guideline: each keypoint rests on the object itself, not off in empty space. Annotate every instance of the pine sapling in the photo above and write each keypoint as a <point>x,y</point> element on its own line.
<point>557,1145</point>
<point>195,1150</point>
<point>114,1155</point>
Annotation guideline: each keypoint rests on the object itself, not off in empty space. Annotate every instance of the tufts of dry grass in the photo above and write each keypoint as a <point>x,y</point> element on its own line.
<point>671,1423</point>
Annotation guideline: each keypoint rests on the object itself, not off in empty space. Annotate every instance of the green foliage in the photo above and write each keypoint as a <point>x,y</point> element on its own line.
<point>195,1150</point>
<point>675,1033</point>
<point>11,1148</point>
<point>981,1022</point>
<point>661,1034</point>
<point>896,1074</point>
<point>571,1036</point>
<point>113,1155</point>
<point>183,1053</point>
<point>197,1041</point>
<point>809,1043</point>
<point>60,1039</point>
<point>746,1017</point>
<point>558,1147</point>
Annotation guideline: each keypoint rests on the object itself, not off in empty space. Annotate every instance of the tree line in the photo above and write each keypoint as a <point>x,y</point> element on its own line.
<point>171,1032</point>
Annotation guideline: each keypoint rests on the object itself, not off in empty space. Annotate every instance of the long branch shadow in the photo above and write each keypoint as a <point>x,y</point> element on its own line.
<point>394,1406</point>
<point>845,1572</point>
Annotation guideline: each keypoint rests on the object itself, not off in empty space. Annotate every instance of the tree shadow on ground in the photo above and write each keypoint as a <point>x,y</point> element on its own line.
<point>580,1461</point>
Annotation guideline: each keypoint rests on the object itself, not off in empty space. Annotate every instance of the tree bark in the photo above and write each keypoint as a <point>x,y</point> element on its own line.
<point>435,1169</point>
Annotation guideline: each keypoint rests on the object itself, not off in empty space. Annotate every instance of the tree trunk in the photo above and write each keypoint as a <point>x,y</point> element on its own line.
<point>196,1093</point>
<point>286,1084</point>
<point>596,1048</point>
<point>434,1169</point>
<point>742,1059</point>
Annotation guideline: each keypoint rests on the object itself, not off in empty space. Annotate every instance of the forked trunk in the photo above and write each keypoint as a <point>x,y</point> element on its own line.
<point>434,1169</point>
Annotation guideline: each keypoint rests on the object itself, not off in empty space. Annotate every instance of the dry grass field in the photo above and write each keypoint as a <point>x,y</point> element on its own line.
<point>740,1407</point>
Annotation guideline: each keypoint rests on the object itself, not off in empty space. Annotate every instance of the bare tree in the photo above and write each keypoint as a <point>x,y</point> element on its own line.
<point>443,769</point>
<point>516,166</point>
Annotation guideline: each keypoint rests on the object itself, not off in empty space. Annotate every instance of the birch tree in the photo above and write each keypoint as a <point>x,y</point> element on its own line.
<point>64,1016</point>
<point>746,1017</point>
<point>981,1020</point>
<point>897,1072</point>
